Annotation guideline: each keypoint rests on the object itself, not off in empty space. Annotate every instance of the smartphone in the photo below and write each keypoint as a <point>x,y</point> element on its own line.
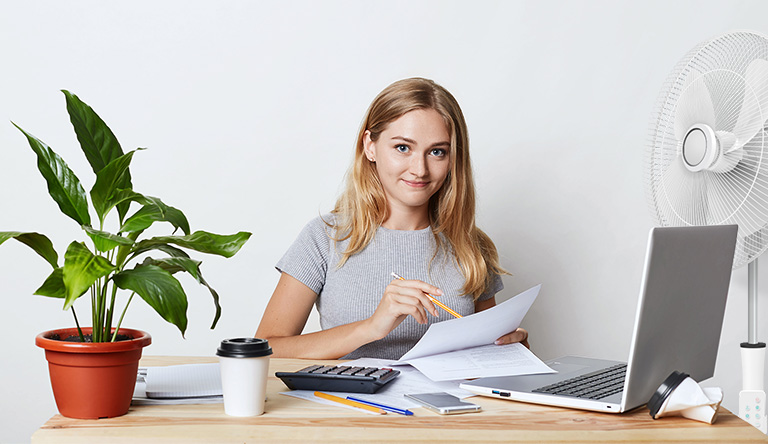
<point>443,403</point>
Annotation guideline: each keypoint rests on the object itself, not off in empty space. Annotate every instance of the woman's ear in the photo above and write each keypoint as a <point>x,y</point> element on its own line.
<point>368,147</point>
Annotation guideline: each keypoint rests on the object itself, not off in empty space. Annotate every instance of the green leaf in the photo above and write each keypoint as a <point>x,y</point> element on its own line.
<point>105,241</point>
<point>159,289</point>
<point>215,297</point>
<point>174,265</point>
<point>36,241</point>
<point>81,270</point>
<point>202,241</point>
<point>63,186</point>
<point>168,249</point>
<point>180,261</point>
<point>122,199</point>
<point>154,210</point>
<point>125,250</point>
<point>108,181</point>
<point>96,140</point>
<point>54,285</point>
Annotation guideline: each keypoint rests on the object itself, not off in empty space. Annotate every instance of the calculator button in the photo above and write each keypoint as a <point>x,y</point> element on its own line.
<point>309,369</point>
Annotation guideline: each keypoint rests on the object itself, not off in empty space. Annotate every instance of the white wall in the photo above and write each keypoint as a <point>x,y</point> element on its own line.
<point>249,111</point>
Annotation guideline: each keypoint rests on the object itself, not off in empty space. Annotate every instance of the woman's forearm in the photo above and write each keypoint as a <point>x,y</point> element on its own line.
<point>325,344</point>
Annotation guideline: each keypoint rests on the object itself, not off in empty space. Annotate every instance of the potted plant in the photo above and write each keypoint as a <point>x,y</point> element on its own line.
<point>115,262</point>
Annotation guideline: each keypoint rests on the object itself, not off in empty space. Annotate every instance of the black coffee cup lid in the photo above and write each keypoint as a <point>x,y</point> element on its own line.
<point>664,391</point>
<point>244,348</point>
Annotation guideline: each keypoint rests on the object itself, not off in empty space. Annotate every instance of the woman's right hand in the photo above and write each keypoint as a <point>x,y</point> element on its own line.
<point>402,298</point>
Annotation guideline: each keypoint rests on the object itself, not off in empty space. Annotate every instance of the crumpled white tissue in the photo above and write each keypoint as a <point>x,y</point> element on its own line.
<point>692,401</point>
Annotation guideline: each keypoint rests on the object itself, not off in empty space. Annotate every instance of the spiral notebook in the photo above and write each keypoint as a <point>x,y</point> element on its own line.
<point>176,384</point>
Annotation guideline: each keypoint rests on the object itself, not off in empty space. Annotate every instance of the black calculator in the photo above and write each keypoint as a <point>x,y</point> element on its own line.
<point>339,378</point>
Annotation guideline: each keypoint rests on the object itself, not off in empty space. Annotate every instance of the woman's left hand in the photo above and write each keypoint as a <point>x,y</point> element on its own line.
<point>520,335</point>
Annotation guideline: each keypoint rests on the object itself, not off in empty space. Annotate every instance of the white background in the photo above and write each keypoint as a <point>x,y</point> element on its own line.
<point>249,112</point>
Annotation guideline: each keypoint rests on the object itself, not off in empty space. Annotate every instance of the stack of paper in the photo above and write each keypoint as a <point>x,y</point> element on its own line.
<point>178,384</point>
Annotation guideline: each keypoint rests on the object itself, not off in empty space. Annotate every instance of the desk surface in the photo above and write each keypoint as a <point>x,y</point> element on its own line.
<point>289,419</point>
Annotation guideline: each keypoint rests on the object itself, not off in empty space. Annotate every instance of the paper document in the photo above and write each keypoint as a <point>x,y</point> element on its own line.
<point>183,381</point>
<point>408,381</point>
<point>471,339</point>
<point>478,362</point>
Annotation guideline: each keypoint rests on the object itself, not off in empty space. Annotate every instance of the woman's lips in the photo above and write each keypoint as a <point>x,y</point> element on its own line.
<point>415,184</point>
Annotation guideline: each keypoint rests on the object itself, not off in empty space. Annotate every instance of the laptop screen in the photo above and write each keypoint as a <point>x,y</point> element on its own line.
<point>680,311</point>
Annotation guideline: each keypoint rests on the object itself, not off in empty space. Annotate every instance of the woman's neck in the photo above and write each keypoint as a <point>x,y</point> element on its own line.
<point>407,220</point>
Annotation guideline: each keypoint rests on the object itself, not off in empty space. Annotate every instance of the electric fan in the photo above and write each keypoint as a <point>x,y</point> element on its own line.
<point>707,164</point>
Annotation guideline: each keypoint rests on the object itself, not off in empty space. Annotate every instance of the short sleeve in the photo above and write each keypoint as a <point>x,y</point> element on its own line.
<point>496,286</point>
<point>308,256</point>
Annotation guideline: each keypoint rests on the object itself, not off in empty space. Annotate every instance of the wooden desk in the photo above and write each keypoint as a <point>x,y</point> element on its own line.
<point>289,419</point>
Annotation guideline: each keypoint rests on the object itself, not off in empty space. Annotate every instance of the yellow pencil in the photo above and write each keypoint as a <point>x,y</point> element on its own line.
<point>359,405</point>
<point>432,298</point>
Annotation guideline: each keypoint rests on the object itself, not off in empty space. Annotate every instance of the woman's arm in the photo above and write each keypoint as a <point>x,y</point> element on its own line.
<point>284,320</point>
<point>520,335</point>
<point>290,305</point>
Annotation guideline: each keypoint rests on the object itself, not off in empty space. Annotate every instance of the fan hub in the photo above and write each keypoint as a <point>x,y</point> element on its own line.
<point>699,147</point>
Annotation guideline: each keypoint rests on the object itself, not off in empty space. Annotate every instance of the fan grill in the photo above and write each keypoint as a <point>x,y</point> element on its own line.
<point>678,196</point>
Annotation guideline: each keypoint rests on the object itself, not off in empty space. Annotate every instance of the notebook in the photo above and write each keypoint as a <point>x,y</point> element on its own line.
<point>677,327</point>
<point>183,381</point>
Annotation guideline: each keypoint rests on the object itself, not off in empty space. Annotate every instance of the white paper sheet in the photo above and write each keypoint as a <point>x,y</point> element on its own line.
<point>464,347</point>
<point>483,361</point>
<point>186,384</point>
<point>481,328</point>
<point>183,381</point>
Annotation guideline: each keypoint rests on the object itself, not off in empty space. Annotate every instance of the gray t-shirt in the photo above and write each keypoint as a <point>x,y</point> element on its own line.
<point>352,292</point>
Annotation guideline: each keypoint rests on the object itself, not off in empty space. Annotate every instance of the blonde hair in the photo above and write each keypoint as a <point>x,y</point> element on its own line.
<point>362,207</point>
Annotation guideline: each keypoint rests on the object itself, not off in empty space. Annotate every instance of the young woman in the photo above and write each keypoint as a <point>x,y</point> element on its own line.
<point>408,208</point>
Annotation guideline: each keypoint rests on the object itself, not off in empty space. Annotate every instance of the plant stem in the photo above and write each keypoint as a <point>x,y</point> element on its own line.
<point>100,312</point>
<point>94,311</point>
<point>111,308</point>
<point>105,330</point>
<point>120,322</point>
<point>79,330</point>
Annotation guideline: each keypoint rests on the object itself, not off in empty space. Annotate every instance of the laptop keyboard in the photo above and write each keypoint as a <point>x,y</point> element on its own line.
<point>595,385</point>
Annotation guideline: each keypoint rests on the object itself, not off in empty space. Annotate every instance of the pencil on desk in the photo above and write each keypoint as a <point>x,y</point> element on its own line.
<point>356,404</point>
<point>432,298</point>
<point>382,406</point>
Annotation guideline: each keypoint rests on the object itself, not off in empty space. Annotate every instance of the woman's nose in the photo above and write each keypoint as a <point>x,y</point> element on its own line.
<point>418,166</point>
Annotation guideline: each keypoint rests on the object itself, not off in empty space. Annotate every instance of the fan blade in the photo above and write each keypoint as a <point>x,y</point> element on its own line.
<point>681,196</point>
<point>694,106</point>
<point>754,110</point>
<point>750,184</point>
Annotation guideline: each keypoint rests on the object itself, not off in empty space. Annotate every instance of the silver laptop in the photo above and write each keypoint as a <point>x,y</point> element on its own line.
<point>677,327</point>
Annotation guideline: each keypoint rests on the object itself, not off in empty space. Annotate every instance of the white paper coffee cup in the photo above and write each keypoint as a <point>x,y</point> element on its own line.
<point>244,366</point>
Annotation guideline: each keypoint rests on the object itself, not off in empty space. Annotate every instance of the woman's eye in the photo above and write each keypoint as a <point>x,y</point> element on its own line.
<point>402,148</point>
<point>438,152</point>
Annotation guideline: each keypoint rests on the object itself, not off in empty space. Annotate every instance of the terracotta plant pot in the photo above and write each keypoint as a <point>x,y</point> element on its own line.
<point>92,380</point>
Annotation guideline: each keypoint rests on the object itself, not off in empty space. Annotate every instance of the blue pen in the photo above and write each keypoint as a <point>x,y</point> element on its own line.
<point>382,406</point>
